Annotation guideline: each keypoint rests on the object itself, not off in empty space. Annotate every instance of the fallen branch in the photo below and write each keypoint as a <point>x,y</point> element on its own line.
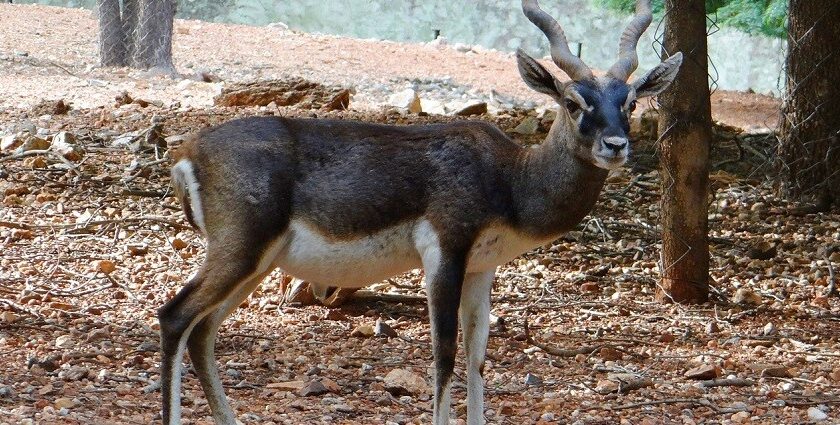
<point>365,295</point>
<point>694,401</point>
<point>832,282</point>
<point>727,382</point>
<point>60,157</point>
<point>153,219</point>
<point>14,225</point>
<point>560,352</point>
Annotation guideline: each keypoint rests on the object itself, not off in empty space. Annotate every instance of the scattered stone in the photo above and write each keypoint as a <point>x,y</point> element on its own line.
<point>233,373</point>
<point>712,328</point>
<point>297,291</point>
<point>341,102</point>
<point>606,386</point>
<point>772,370</point>
<point>104,266</point>
<point>528,126</point>
<point>51,107</point>
<point>533,380</point>
<point>816,415</point>
<point>21,234</point>
<point>64,143</point>
<point>383,330</point>
<point>384,400</point>
<point>6,391</point>
<point>8,317</point>
<point>76,373</point>
<point>64,341</point>
<point>590,287</point>
<point>64,403</point>
<point>400,382</point>
<point>740,417</point>
<point>184,84</point>
<point>178,244</point>
<point>363,331</point>
<point>331,385</point>
<point>769,329</point>
<point>32,143</point>
<point>335,314</point>
<point>138,249</point>
<point>629,381</point>
<point>704,372</point>
<point>474,109</point>
<point>432,106</point>
<point>334,297</point>
<point>406,99</point>
<point>292,386</point>
<point>610,354</point>
<point>344,408</point>
<point>746,296</point>
<point>762,250</point>
<point>313,388</point>
<point>667,338</point>
<point>11,142</point>
<point>296,91</point>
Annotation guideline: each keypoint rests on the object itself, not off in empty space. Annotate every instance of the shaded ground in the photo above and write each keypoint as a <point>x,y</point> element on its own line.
<point>80,345</point>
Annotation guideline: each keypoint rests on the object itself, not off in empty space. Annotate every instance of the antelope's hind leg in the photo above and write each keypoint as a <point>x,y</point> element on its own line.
<point>195,314</point>
<point>201,344</point>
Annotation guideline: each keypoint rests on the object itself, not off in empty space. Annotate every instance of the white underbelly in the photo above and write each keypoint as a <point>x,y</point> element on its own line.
<point>307,254</point>
<point>304,252</point>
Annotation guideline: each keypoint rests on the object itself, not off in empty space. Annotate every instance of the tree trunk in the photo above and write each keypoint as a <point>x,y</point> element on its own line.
<point>809,153</point>
<point>130,13</point>
<point>112,50</point>
<point>154,35</point>
<point>686,132</point>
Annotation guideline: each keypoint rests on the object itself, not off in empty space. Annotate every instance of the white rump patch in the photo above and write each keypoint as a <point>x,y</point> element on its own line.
<point>184,176</point>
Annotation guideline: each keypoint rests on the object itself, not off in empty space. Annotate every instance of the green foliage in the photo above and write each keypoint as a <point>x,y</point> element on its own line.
<point>768,17</point>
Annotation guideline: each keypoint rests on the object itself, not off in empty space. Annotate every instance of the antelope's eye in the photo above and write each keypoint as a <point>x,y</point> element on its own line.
<point>572,106</point>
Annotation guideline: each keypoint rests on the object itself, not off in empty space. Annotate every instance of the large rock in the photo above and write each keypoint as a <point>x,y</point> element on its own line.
<point>407,100</point>
<point>64,143</point>
<point>299,92</point>
<point>400,382</point>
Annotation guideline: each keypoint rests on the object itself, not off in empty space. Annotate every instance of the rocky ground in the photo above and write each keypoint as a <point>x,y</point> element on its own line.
<point>92,242</point>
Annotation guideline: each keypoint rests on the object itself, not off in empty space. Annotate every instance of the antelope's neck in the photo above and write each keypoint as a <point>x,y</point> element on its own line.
<point>554,188</point>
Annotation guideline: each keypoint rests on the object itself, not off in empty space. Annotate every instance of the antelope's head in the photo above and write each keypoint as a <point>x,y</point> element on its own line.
<point>599,107</point>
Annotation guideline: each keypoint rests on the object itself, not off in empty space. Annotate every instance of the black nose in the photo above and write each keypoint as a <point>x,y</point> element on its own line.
<point>615,144</point>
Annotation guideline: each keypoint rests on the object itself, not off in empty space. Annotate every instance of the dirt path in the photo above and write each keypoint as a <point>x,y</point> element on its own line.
<point>51,53</point>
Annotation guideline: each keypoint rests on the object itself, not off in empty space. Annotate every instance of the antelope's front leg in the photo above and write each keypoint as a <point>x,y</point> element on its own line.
<point>475,324</point>
<point>443,286</point>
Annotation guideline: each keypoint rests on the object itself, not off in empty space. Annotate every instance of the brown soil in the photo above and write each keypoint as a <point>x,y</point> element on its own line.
<point>79,341</point>
<point>62,56</point>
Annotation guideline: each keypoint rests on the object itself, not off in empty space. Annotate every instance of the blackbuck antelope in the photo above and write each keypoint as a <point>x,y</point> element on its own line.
<point>347,204</point>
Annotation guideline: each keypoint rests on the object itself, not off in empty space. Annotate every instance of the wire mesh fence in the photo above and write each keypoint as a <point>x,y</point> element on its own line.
<point>809,130</point>
<point>136,33</point>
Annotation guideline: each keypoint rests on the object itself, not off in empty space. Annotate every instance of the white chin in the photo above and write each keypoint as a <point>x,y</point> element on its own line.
<point>609,164</point>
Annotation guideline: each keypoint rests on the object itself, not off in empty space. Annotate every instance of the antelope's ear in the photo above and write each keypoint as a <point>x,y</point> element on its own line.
<point>659,78</point>
<point>537,77</point>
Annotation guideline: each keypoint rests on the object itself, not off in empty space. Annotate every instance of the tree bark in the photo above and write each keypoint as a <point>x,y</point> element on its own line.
<point>809,152</point>
<point>686,134</point>
<point>154,35</point>
<point>112,51</point>
<point>130,13</point>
